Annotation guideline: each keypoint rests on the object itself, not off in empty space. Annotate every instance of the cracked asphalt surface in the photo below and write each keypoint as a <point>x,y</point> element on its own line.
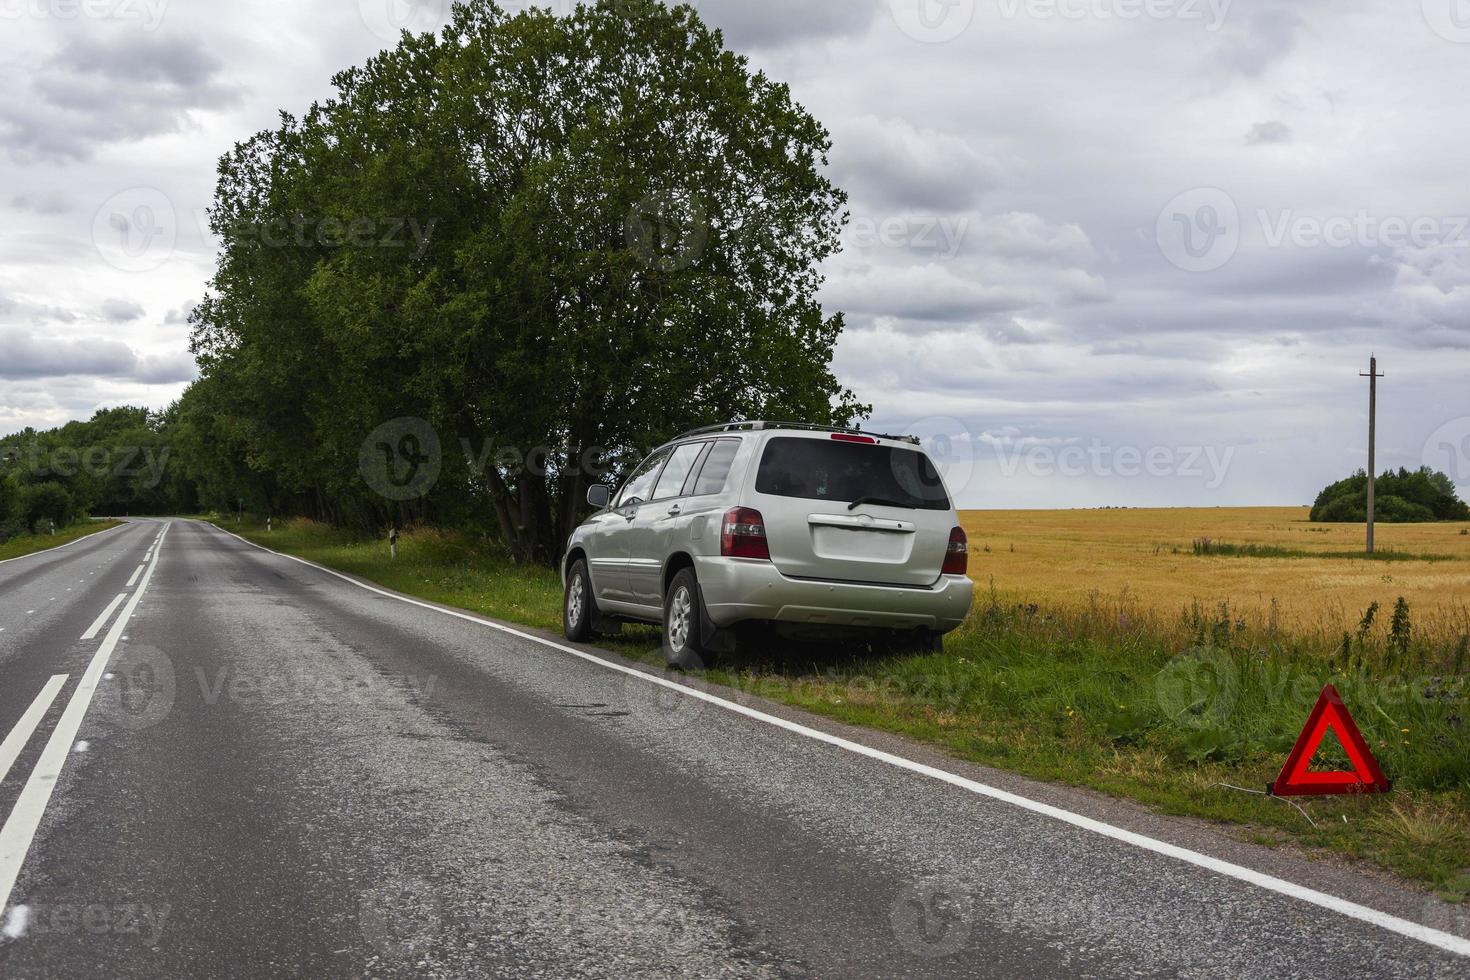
<point>285,775</point>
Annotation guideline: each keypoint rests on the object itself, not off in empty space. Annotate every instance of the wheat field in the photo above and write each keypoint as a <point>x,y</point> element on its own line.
<point>1146,560</point>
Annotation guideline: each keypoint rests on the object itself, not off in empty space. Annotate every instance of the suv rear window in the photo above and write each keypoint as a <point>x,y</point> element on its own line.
<point>818,469</point>
<point>716,468</point>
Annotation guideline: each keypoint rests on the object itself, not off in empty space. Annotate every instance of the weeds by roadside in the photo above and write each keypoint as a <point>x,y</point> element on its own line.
<point>1206,547</point>
<point>26,544</point>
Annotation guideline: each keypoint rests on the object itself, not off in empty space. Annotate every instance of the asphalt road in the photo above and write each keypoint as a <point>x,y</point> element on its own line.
<point>256,768</point>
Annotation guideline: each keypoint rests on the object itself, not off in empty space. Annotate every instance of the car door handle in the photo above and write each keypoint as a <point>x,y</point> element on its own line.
<point>675,511</point>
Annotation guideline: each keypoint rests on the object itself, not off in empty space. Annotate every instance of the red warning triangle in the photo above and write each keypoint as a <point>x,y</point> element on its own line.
<point>1297,780</point>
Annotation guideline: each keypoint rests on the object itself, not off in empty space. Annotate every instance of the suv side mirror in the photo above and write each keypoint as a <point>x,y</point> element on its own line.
<point>598,495</point>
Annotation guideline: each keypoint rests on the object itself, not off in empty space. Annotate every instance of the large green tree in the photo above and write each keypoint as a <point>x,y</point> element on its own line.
<point>1405,497</point>
<point>558,240</point>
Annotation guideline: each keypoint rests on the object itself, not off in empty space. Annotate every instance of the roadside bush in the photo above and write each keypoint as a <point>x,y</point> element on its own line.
<point>34,504</point>
<point>11,527</point>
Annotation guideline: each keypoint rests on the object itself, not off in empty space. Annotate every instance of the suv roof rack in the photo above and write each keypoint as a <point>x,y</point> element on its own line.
<point>758,425</point>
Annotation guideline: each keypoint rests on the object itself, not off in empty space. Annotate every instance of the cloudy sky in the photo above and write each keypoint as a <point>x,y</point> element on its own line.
<point>1102,251</point>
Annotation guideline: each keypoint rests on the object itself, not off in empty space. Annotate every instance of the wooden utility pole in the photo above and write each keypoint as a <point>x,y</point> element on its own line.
<point>1372,377</point>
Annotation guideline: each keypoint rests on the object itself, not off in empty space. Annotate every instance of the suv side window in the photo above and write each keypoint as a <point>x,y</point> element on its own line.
<point>640,484</point>
<point>671,483</point>
<point>716,468</point>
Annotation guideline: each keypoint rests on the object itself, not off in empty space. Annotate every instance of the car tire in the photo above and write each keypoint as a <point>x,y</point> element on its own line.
<point>684,624</point>
<point>579,605</point>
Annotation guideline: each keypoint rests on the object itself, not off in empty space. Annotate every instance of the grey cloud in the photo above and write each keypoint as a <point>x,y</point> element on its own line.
<point>1268,133</point>
<point>1023,235</point>
<point>121,310</point>
<point>778,23</point>
<point>43,203</point>
<point>1250,45</point>
<point>888,164</point>
<point>166,369</point>
<point>180,315</point>
<point>91,93</point>
<point>14,310</point>
<point>180,61</point>
<point>29,355</point>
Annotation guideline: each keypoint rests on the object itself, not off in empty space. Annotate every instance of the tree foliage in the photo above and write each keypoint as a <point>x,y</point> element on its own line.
<point>557,240</point>
<point>120,461</point>
<point>1405,497</point>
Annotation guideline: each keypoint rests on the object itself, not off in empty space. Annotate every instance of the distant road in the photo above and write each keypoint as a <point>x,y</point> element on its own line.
<point>281,773</point>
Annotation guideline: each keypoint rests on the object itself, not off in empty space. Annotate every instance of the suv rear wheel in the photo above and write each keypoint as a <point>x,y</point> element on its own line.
<point>683,625</point>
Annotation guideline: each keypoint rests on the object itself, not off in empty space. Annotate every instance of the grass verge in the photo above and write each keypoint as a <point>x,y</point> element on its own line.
<point>1188,716</point>
<point>27,544</point>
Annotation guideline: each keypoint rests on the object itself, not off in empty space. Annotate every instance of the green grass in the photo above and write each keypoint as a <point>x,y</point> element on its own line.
<point>27,544</point>
<point>1162,713</point>
<point>1206,547</point>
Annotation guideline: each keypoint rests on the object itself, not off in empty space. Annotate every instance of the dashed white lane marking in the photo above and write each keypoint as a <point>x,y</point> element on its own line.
<point>101,620</point>
<point>20,828</point>
<point>17,923</point>
<point>29,611</point>
<point>1352,910</point>
<point>21,734</point>
<point>134,577</point>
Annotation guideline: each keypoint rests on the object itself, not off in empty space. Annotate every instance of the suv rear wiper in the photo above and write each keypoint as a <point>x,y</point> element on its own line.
<point>884,502</point>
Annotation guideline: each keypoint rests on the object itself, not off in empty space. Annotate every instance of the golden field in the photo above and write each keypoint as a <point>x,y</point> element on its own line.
<point>1144,560</point>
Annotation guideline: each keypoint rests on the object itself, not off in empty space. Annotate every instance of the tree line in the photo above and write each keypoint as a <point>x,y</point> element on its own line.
<point>514,255</point>
<point>121,461</point>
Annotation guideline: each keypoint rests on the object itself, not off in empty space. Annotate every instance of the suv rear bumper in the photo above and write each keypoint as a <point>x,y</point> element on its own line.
<point>738,590</point>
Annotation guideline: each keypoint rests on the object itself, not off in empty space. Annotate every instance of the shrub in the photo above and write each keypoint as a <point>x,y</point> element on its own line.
<point>36,503</point>
<point>1400,498</point>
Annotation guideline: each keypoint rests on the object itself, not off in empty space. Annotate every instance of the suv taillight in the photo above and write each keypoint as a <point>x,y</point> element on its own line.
<point>743,535</point>
<point>957,555</point>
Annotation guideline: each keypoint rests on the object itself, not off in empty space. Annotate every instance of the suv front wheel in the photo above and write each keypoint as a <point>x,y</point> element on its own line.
<point>579,610</point>
<point>683,625</point>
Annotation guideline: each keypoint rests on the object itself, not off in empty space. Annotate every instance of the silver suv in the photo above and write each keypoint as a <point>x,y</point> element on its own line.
<point>816,530</point>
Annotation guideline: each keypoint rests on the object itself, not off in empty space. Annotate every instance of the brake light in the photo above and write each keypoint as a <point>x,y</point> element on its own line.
<point>845,437</point>
<point>957,555</point>
<point>743,535</point>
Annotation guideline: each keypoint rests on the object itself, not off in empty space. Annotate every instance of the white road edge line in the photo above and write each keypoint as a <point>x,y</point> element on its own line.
<point>25,817</point>
<point>101,620</point>
<point>10,749</point>
<point>47,551</point>
<point>1412,930</point>
<point>134,577</point>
